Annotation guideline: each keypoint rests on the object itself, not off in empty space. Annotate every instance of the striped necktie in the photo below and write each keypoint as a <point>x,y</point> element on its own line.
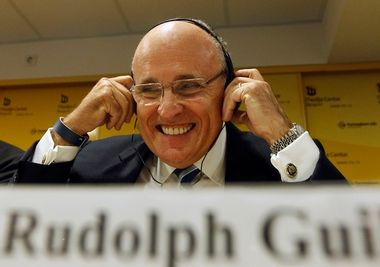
<point>189,175</point>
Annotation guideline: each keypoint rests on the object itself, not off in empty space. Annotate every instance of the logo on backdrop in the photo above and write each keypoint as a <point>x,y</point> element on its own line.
<point>311,91</point>
<point>6,101</point>
<point>343,124</point>
<point>64,107</point>
<point>7,110</point>
<point>64,99</point>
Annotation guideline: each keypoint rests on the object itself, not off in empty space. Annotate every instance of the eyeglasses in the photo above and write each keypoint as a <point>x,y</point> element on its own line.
<point>152,93</point>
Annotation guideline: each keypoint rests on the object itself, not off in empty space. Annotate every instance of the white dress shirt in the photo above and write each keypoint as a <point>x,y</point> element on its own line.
<point>212,166</point>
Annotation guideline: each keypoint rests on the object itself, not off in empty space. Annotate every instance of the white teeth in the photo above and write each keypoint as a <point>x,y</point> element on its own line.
<point>175,131</point>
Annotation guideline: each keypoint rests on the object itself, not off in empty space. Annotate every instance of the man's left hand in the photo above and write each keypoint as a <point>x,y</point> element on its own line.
<point>264,116</point>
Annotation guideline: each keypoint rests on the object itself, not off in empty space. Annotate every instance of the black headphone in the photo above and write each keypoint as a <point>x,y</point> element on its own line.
<point>207,28</point>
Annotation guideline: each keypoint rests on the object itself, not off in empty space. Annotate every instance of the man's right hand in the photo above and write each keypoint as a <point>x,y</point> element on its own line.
<point>109,102</point>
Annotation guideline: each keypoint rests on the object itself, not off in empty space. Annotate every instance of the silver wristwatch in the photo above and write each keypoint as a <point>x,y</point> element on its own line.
<point>287,139</point>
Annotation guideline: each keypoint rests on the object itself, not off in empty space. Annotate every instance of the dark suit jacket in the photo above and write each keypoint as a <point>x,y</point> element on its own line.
<point>120,160</point>
<point>9,157</point>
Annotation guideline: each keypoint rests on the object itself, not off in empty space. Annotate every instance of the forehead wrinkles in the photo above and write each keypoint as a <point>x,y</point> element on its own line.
<point>177,39</point>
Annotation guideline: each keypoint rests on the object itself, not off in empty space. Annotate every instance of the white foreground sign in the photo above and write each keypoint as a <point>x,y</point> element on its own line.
<point>120,226</point>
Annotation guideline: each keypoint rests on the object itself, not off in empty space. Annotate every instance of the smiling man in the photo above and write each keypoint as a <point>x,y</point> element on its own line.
<point>179,129</point>
<point>185,92</point>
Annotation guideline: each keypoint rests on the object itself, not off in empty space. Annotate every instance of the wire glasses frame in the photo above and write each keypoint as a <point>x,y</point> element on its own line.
<point>152,93</point>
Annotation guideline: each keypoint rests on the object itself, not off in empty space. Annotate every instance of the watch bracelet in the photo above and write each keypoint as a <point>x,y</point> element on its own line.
<point>67,134</point>
<point>287,139</point>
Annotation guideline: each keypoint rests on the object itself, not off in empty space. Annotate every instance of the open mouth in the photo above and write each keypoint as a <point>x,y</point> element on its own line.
<point>176,130</point>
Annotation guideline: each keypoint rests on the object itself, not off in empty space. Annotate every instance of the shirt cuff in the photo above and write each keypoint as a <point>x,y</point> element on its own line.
<point>297,161</point>
<point>45,152</point>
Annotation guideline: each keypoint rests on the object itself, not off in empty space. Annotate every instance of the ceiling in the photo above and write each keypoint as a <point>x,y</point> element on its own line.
<point>26,20</point>
<point>355,36</point>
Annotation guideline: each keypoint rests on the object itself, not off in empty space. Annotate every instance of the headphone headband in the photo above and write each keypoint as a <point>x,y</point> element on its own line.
<point>204,26</point>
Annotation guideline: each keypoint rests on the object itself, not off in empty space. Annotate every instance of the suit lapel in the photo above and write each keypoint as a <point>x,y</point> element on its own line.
<point>247,158</point>
<point>132,159</point>
<point>235,163</point>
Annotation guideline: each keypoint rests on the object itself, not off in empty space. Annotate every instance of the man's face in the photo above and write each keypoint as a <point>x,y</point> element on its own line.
<point>178,130</point>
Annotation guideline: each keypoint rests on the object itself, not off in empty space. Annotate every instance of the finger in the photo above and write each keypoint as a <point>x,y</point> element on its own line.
<point>125,101</point>
<point>121,87</point>
<point>112,110</point>
<point>129,100</point>
<point>125,80</point>
<point>123,108</point>
<point>250,73</point>
<point>115,103</point>
<point>233,95</point>
<point>228,104</point>
<point>131,108</point>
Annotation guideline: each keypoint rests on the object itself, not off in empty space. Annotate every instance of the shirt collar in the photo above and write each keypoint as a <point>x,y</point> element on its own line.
<point>213,165</point>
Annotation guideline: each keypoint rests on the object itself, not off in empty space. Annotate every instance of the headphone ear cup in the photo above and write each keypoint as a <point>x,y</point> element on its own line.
<point>135,124</point>
<point>230,68</point>
<point>134,107</point>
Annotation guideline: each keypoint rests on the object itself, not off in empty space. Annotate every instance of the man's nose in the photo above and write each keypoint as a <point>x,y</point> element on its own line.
<point>170,105</point>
